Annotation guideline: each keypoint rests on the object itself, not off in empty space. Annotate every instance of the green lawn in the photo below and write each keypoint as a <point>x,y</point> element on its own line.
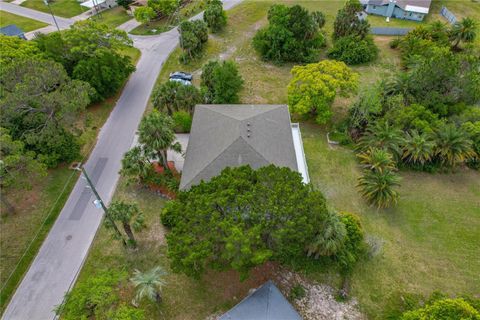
<point>38,208</point>
<point>430,241</point>
<point>162,25</point>
<point>113,17</point>
<point>26,24</point>
<point>61,8</point>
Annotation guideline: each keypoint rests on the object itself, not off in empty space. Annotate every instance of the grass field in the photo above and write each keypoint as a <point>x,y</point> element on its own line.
<point>113,17</point>
<point>61,8</point>
<point>26,24</point>
<point>38,208</point>
<point>429,242</point>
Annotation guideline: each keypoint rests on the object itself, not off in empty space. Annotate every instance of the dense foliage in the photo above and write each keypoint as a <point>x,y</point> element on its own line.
<point>173,96</point>
<point>292,35</point>
<point>214,16</point>
<point>40,105</point>
<point>92,52</point>
<point>444,309</point>
<point>144,14</point>
<point>193,37</point>
<point>128,215</point>
<point>242,218</point>
<point>314,87</point>
<point>354,50</point>
<point>221,82</point>
<point>99,298</point>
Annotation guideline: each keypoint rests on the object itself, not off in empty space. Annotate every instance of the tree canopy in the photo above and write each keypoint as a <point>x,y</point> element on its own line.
<point>292,35</point>
<point>193,36</point>
<point>214,16</point>
<point>221,82</point>
<point>315,86</point>
<point>173,96</point>
<point>242,218</point>
<point>348,23</point>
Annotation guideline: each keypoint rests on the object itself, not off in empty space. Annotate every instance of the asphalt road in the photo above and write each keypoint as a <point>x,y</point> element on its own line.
<point>60,259</point>
<point>63,23</point>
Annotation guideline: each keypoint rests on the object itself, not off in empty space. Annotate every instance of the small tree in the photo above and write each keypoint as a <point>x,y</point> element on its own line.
<point>18,167</point>
<point>144,14</point>
<point>129,216</point>
<point>193,36</point>
<point>156,135</point>
<point>221,82</point>
<point>354,50</point>
<point>164,7</point>
<point>148,284</point>
<point>376,159</point>
<point>348,23</point>
<point>329,239</point>
<point>383,135</point>
<point>377,187</point>
<point>417,148</point>
<point>314,87</point>
<point>452,145</point>
<point>214,16</point>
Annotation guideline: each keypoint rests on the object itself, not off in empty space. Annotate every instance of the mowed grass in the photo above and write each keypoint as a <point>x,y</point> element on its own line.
<point>113,17</point>
<point>26,24</point>
<point>61,8</point>
<point>37,209</point>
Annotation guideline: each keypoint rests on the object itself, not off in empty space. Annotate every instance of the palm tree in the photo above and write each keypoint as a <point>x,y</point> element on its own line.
<point>464,30</point>
<point>376,159</point>
<point>130,217</point>
<point>452,145</point>
<point>377,187</point>
<point>156,135</point>
<point>382,135</point>
<point>417,148</point>
<point>148,284</point>
<point>330,239</point>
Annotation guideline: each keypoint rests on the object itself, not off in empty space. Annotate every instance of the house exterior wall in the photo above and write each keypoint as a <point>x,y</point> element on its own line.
<point>397,12</point>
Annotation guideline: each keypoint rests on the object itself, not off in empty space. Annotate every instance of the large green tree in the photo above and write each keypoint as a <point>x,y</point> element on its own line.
<point>14,48</point>
<point>193,36</point>
<point>314,87</point>
<point>173,96</point>
<point>18,167</point>
<point>40,106</point>
<point>292,35</point>
<point>241,219</point>
<point>347,22</point>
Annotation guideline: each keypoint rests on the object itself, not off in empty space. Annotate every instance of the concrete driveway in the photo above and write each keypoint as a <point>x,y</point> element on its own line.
<point>60,259</point>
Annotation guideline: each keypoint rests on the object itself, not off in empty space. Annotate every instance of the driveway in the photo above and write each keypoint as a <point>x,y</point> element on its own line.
<point>60,259</point>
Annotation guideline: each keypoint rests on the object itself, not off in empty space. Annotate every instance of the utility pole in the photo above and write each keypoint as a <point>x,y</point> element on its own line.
<point>51,12</point>
<point>99,200</point>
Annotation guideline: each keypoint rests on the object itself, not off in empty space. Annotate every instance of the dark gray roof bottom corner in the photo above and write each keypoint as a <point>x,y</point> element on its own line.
<point>265,303</point>
<point>234,135</point>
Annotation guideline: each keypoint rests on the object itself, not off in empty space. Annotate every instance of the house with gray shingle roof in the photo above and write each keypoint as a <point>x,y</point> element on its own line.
<point>401,9</point>
<point>234,135</point>
<point>265,303</point>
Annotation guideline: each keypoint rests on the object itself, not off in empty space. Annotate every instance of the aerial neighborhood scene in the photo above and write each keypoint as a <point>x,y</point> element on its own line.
<point>240,159</point>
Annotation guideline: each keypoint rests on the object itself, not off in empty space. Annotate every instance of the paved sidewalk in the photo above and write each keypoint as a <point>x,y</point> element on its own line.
<point>62,254</point>
<point>129,25</point>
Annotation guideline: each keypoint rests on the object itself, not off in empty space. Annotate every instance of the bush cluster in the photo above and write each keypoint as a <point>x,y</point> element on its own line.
<point>214,16</point>
<point>193,37</point>
<point>292,35</point>
<point>353,50</point>
<point>221,82</point>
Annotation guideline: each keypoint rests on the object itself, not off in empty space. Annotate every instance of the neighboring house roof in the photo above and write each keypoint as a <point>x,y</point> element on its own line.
<point>234,135</point>
<point>421,6</point>
<point>265,303</point>
<point>11,30</point>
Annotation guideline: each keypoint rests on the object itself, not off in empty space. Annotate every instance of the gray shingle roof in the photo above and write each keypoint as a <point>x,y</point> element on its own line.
<point>234,135</point>
<point>266,303</point>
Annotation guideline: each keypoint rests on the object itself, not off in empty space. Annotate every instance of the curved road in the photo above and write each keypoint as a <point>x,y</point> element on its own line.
<point>60,259</point>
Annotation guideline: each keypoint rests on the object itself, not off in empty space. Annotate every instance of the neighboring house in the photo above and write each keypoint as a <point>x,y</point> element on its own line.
<point>99,4</point>
<point>234,135</point>
<point>13,31</point>
<point>401,9</point>
<point>265,303</point>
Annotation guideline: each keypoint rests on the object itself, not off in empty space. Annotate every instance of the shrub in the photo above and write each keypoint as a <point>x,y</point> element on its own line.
<point>445,309</point>
<point>169,214</point>
<point>221,82</point>
<point>214,16</point>
<point>377,187</point>
<point>182,121</point>
<point>173,96</point>
<point>354,245</point>
<point>292,35</point>
<point>354,50</point>
<point>329,238</point>
<point>144,14</point>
